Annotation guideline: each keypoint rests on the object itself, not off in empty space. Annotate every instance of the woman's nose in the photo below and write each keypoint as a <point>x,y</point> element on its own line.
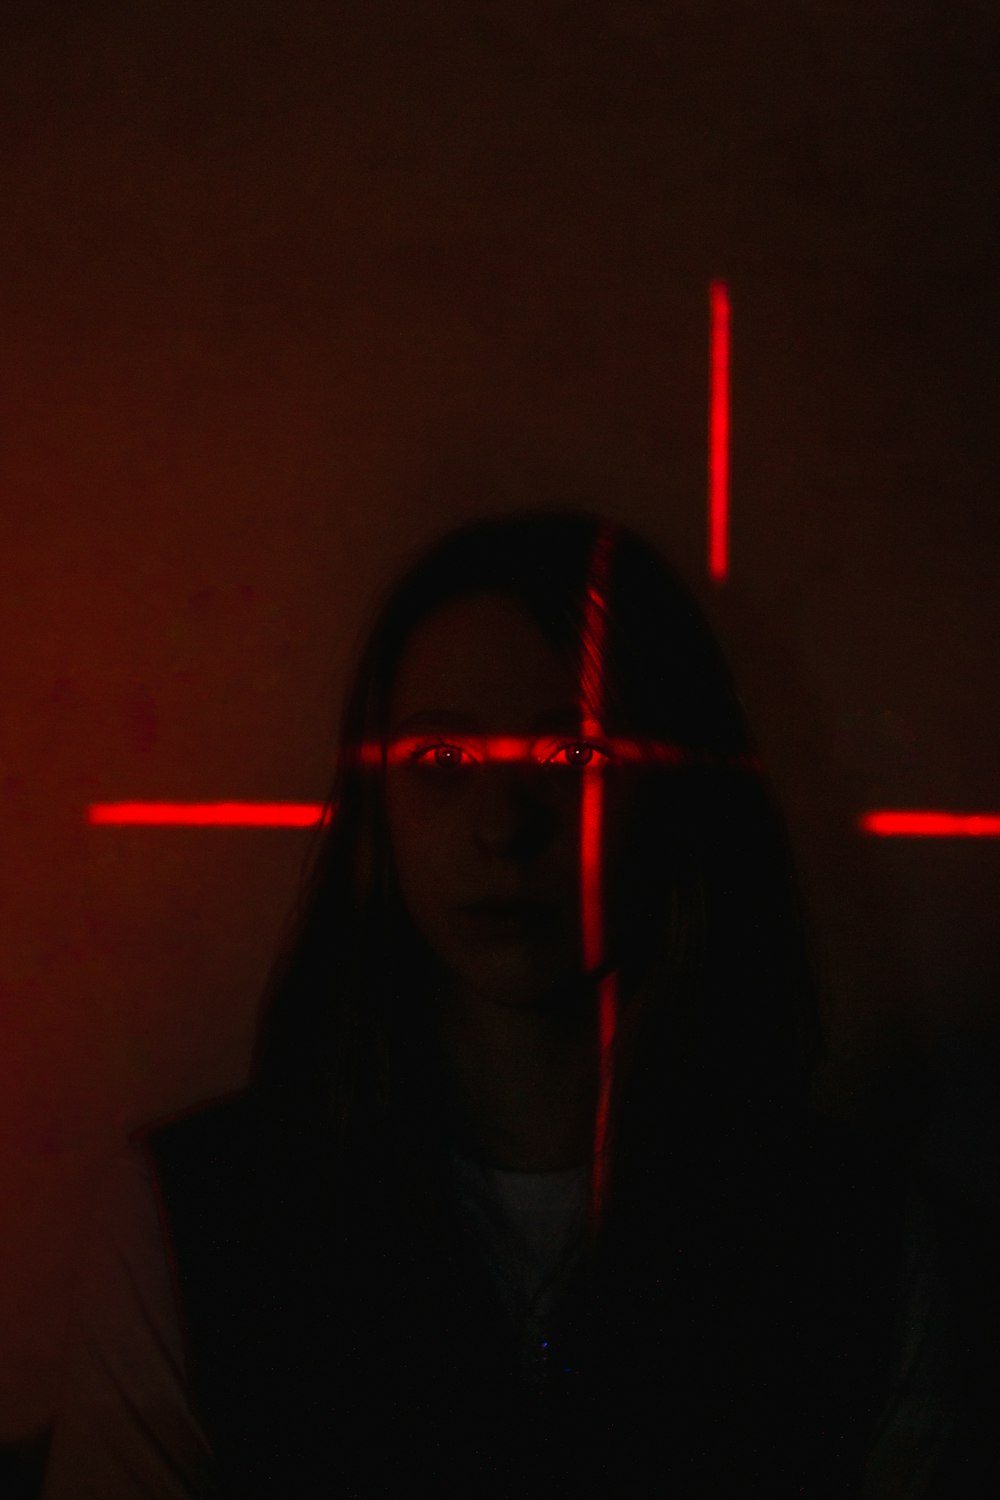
<point>511,819</point>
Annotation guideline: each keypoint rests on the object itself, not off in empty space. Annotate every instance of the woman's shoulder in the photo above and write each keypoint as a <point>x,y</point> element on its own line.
<point>225,1121</point>
<point>122,1418</point>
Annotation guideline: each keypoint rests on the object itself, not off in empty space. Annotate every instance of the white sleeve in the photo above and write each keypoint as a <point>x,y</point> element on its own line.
<point>124,1429</point>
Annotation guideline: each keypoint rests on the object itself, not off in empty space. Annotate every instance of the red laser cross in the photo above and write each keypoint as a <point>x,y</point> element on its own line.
<point>882,823</point>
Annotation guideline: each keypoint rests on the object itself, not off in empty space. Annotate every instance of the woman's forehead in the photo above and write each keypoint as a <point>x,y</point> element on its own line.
<point>487,659</point>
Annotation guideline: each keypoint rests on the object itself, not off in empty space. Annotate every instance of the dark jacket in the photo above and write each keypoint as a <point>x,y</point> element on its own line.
<point>344,1336</point>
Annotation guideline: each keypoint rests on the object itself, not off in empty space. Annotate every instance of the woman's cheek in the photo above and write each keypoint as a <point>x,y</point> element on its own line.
<point>427,850</point>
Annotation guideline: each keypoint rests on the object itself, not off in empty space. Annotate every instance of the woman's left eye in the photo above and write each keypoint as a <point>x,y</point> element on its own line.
<point>441,757</point>
<point>577,754</point>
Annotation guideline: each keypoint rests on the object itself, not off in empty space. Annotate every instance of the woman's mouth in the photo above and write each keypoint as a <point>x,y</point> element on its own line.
<point>506,917</point>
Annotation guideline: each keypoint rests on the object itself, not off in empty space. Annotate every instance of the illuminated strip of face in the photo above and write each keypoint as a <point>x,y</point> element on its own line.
<point>590,748</point>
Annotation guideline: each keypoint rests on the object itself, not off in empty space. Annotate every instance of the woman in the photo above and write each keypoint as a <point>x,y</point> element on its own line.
<point>527,1194</point>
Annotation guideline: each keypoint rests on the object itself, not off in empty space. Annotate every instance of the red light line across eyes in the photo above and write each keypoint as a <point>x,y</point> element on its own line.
<point>718,430</point>
<point>513,748</point>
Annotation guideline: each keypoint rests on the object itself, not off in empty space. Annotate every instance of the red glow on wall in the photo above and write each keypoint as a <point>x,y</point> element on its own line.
<point>931,825</point>
<point>718,430</point>
<point>210,814</point>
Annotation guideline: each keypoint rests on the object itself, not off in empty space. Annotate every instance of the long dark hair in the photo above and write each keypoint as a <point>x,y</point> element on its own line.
<point>720,1021</point>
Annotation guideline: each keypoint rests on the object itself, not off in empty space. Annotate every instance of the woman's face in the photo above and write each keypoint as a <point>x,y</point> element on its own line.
<point>487,767</point>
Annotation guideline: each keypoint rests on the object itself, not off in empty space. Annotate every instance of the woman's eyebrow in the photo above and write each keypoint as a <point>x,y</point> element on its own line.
<point>433,718</point>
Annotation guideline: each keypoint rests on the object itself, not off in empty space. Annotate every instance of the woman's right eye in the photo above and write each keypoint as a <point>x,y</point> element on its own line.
<point>441,756</point>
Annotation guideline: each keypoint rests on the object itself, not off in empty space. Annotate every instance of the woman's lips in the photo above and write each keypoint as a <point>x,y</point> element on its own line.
<point>508,917</point>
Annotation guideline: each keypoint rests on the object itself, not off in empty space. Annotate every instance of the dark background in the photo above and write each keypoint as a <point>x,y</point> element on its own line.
<point>287,288</point>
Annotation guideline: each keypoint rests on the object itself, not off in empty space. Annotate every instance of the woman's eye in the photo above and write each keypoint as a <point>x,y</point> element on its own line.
<point>441,757</point>
<point>577,754</point>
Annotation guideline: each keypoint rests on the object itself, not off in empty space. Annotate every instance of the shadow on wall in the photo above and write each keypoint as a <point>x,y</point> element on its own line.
<point>852,914</point>
<point>22,1466</point>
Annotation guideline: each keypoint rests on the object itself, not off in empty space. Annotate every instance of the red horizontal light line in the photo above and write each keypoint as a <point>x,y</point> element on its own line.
<point>308,815</point>
<point>894,824</point>
<point>931,824</point>
<point>210,814</point>
<point>718,430</point>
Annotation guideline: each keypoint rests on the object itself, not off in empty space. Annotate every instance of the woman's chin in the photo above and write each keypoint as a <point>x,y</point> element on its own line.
<point>515,982</point>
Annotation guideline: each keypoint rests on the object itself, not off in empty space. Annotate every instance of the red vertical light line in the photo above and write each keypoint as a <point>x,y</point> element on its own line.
<point>718,430</point>
<point>607,1003</point>
<point>591,839</point>
<point>591,857</point>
